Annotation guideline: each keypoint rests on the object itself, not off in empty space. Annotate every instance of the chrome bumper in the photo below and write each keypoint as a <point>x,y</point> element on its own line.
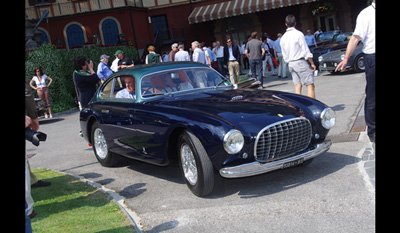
<point>255,168</point>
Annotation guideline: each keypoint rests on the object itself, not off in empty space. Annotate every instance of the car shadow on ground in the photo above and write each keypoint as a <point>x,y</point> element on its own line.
<point>169,173</point>
<point>254,186</point>
<point>45,121</point>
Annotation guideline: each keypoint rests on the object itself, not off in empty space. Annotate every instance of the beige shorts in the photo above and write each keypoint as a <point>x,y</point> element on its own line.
<point>301,72</point>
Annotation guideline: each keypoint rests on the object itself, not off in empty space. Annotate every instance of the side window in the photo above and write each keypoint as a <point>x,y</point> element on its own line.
<point>106,92</point>
<point>119,85</point>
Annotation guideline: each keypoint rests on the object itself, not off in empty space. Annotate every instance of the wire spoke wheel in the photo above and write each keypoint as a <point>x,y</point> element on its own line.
<point>188,164</point>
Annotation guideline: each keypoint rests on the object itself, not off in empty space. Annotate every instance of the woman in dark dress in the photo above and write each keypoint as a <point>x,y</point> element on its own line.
<point>85,79</point>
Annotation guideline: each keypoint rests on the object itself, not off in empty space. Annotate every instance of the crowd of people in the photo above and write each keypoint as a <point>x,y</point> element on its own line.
<point>258,54</point>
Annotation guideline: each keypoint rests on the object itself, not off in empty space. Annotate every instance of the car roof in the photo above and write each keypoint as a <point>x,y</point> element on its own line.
<point>140,70</point>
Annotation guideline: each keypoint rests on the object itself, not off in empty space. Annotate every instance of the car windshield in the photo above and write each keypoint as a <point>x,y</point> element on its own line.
<point>172,81</point>
<point>325,36</point>
<point>338,38</point>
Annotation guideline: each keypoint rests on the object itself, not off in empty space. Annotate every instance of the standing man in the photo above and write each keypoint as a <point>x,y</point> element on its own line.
<point>182,55</point>
<point>268,57</point>
<point>102,69</point>
<point>208,53</point>
<point>174,50</point>
<point>310,39</point>
<point>114,64</point>
<point>219,54</point>
<point>231,59</point>
<point>365,32</point>
<point>255,48</point>
<point>295,52</point>
<point>124,62</point>
<point>283,66</point>
<point>198,54</point>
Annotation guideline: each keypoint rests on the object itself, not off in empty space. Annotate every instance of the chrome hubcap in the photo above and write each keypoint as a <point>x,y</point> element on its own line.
<point>100,144</point>
<point>188,164</point>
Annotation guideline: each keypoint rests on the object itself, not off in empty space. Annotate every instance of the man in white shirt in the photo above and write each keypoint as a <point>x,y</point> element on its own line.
<point>182,55</point>
<point>219,53</point>
<point>295,51</point>
<point>114,65</point>
<point>365,32</point>
<point>198,54</point>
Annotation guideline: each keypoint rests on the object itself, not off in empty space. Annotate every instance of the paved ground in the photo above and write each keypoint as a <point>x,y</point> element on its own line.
<point>332,194</point>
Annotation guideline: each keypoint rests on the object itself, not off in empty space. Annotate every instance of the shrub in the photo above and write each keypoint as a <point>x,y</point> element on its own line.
<point>58,65</point>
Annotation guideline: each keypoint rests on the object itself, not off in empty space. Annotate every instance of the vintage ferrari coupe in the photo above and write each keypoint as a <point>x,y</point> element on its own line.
<point>188,112</point>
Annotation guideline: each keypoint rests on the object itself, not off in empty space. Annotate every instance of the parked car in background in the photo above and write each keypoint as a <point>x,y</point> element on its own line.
<point>329,61</point>
<point>323,38</point>
<point>188,112</point>
<point>338,41</point>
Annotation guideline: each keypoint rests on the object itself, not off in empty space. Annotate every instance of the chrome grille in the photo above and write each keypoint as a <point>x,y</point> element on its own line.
<point>282,139</point>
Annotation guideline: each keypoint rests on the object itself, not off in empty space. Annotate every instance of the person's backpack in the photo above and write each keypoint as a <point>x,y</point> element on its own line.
<point>153,58</point>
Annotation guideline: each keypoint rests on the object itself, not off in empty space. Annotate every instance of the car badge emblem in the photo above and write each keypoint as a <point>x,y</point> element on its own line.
<point>239,97</point>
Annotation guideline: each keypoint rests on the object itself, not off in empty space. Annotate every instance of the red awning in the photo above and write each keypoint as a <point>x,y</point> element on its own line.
<point>237,7</point>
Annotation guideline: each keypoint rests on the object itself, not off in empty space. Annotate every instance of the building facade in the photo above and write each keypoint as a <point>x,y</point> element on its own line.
<point>77,23</point>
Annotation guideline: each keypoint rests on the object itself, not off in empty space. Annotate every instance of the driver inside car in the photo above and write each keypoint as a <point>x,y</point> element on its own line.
<point>129,91</point>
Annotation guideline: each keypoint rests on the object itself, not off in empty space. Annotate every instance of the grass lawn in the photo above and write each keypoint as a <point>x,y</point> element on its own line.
<point>70,205</point>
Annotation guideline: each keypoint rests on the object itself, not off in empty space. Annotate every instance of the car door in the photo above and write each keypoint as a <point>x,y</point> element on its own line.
<point>117,114</point>
<point>128,135</point>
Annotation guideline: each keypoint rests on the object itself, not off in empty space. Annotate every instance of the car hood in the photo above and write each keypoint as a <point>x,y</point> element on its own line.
<point>246,109</point>
<point>334,54</point>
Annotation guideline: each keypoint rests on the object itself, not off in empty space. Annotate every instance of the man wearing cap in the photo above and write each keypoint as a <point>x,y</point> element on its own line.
<point>114,65</point>
<point>102,69</point>
<point>124,62</point>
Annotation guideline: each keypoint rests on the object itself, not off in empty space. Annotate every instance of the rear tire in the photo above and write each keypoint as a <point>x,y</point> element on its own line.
<point>100,147</point>
<point>195,165</point>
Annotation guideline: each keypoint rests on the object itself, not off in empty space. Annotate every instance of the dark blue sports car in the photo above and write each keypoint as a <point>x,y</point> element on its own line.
<point>188,112</point>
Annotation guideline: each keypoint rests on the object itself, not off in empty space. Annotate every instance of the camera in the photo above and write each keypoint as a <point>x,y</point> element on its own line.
<point>34,137</point>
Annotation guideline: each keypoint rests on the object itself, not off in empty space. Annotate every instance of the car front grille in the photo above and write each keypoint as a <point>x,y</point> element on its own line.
<point>282,139</point>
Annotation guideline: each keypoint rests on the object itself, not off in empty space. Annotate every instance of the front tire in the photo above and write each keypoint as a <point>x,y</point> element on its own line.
<point>359,65</point>
<point>195,165</point>
<point>100,147</point>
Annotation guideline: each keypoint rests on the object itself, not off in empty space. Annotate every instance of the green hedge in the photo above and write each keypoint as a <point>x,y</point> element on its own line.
<point>58,65</point>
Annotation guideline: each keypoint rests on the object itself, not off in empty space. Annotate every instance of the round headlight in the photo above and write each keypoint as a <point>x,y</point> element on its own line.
<point>342,56</point>
<point>233,141</point>
<point>320,59</point>
<point>328,118</point>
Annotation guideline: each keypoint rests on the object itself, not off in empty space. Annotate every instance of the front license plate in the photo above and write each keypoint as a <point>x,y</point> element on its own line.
<point>293,163</point>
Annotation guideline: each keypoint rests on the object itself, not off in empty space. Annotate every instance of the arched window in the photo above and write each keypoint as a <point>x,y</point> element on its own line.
<point>110,31</point>
<point>75,36</point>
<point>44,36</point>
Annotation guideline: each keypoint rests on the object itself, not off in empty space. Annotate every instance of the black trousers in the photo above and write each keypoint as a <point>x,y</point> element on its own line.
<point>369,107</point>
